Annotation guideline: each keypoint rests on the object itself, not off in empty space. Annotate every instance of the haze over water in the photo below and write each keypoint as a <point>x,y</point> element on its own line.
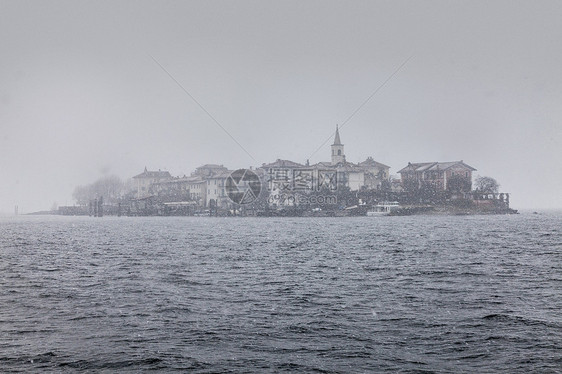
<point>82,95</point>
<point>398,294</point>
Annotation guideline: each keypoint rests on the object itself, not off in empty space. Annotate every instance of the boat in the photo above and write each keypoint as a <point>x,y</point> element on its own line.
<point>383,208</point>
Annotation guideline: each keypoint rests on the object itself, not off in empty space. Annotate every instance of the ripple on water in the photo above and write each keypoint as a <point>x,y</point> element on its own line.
<point>403,294</point>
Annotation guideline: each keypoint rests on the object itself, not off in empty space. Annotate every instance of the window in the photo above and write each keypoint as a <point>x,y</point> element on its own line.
<point>339,152</point>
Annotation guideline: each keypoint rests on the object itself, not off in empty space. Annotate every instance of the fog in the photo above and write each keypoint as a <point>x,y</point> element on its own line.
<point>89,89</point>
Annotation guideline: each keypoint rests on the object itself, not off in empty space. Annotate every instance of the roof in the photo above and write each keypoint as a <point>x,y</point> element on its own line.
<point>180,203</point>
<point>372,163</point>
<point>348,166</point>
<point>340,166</point>
<point>195,179</point>
<point>432,166</point>
<point>322,164</point>
<point>211,166</point>
<point>418,166</point>
<point>209,170</point>
<point>154,174</point>
<point>282,164</point>
<point>337,140</point>
<point>220,175</point>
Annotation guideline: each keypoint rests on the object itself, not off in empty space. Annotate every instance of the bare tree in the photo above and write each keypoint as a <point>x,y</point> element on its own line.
<point>486,184</point>
<point>82,195</point>
<point>111,188</point>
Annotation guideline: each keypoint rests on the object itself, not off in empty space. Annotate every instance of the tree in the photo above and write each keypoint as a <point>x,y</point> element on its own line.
<point>82,195</point>
<point>428,193</point>
<point>458,183</point>
<point>110,187</point>
<point>486,185</point>
<point>411,185</point>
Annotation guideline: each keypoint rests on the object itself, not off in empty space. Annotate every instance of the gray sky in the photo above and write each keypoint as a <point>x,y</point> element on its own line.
<point>80,96</point>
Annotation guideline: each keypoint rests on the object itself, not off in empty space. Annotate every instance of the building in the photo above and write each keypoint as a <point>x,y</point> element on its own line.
<point>442,176</point>
<point>170,190</point>
<point>147,178</point>
<point>209,170</point>
<point>374,173</point>
<point>197,190</point>
<point>179,189</point>
<point>282,179</point>
<point>207,185</point>
<point>368,174</point>
<point>216,189</point>
<point>338,155</point>
<point>284,175</point>
<point>350,175</point>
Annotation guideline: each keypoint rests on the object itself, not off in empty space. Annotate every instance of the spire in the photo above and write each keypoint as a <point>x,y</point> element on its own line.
<point>337,149</point>
<point>337,140</point>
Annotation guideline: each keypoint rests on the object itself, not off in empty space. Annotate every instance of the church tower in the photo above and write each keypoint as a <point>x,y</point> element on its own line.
<point>337,149</point>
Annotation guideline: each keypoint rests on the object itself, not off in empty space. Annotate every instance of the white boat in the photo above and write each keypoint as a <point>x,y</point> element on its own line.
<point>383,208</point>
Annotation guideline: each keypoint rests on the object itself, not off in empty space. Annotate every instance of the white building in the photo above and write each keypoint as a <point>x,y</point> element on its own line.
<point>216,189</point>
<point>366,174</point>
<point>147,178</point>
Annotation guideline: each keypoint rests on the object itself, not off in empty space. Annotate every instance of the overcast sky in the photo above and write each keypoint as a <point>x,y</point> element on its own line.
<point>81,96</point>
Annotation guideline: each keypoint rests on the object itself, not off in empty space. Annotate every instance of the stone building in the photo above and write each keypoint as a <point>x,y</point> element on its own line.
<point>442,176</point>
<point>216,189</point>
<point>368,174</point>
<point>181,189</point>
<point>147,178</point>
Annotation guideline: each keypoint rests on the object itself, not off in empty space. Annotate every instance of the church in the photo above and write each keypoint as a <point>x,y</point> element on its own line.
<point>206,186</point>
<point>368,174</point>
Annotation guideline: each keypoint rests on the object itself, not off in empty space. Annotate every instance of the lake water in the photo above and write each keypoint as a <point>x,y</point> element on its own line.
<point>418,294</point>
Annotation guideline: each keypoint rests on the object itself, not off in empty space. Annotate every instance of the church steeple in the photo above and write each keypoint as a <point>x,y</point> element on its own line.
<point>337,149</point>
<point>337,140</point>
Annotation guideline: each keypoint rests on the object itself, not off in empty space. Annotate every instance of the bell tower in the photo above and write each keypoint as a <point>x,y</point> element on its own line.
<point>337,149</point>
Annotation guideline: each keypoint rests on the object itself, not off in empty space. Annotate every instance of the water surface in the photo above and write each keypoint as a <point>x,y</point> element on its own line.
<point>241,295</point>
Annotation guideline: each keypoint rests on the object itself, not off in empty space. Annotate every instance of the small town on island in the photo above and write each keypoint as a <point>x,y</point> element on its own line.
<point>287,188</point>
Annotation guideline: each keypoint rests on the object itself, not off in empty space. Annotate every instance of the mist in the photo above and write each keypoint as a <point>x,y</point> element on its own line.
<point>92,89</point>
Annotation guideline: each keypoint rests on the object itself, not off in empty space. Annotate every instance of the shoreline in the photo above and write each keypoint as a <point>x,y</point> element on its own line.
<point>421,210</point>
